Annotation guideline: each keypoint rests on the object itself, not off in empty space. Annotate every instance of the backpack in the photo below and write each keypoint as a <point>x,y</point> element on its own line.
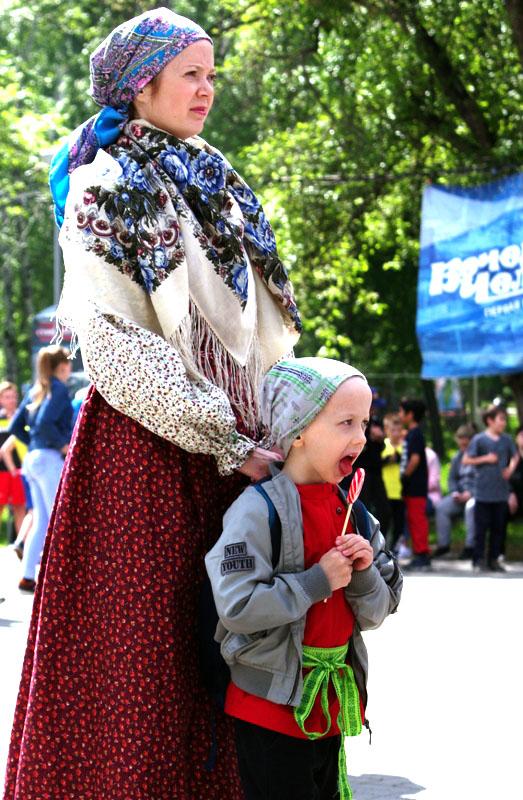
<point>214,671</point>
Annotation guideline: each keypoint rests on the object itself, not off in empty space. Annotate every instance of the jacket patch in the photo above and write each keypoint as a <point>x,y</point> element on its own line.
<point>233,550</point>
<point>237,559</point>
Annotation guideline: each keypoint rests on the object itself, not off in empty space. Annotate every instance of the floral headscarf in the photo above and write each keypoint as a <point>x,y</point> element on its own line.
<point>131,56</point>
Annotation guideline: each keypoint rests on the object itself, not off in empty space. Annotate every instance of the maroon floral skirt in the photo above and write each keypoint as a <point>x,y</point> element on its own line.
<point>111,706</point>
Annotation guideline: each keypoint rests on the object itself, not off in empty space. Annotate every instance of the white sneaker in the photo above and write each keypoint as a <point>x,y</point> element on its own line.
<point>404,551</point>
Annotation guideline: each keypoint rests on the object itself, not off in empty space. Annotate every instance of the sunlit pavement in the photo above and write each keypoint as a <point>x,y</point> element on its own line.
<point>14,622</point>
<point>445,689</point>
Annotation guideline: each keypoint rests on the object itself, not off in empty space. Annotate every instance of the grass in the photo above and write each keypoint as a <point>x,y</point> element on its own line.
<point>5,527</point>
<point>514,545</point>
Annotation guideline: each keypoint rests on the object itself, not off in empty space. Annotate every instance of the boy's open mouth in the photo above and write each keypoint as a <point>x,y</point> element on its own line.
<point>346,465</point>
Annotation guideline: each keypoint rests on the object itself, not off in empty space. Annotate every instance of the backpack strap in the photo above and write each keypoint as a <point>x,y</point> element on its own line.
<point>274,522</point>
<point>361,515</point>
<point>362,519</point>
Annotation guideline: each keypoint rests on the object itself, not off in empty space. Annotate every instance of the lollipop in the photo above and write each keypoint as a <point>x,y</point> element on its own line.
<point>353,493</point>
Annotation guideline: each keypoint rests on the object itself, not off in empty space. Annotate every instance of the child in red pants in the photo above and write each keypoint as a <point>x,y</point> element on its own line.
<point>414,478</point>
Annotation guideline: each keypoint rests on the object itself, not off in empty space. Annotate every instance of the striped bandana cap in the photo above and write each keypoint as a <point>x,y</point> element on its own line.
<point>294,392</point>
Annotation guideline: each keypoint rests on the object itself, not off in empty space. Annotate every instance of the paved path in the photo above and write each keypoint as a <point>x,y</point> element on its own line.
<point>14,623</point>
<point>446,687</point>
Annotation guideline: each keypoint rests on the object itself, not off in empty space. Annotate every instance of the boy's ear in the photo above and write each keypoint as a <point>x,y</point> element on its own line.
<point>298,442</point>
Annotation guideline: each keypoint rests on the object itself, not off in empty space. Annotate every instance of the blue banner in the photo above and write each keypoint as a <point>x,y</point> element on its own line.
<point>470,287</point>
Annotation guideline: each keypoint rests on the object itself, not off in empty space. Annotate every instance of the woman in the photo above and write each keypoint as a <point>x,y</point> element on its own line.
<point>180,302</point>
<point>43,421</point>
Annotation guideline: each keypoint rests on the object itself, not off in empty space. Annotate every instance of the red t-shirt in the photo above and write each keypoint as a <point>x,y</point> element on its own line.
<point>327,624</point>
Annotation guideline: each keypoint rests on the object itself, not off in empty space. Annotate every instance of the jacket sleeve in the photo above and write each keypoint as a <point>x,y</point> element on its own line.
<point>18,424</point>
<point>375,592</point>
<point>107,302</point>
<point>143,376</point>
<point>249,596</point>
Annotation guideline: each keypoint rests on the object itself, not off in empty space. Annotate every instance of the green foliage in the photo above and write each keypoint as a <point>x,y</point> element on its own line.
<point>337,113</point>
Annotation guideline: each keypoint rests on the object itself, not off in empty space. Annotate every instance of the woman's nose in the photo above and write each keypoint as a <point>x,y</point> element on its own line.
<point>205,88</point>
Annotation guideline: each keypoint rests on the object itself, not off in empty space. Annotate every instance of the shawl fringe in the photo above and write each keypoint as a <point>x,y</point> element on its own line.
<point>205,358</point>
<point>65,333</point>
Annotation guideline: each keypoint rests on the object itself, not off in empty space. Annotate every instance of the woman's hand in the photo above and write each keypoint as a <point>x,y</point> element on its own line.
<point>257,465</point>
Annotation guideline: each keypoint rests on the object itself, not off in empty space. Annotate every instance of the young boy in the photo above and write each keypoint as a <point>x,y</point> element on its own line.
<point>494,456</point>
<point>414,478</point>
<point>306,612</point>
<point>391,458</point>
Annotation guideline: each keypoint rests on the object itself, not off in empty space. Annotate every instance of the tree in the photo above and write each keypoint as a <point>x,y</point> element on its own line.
<point>362,103</point>
<point>337,113</point>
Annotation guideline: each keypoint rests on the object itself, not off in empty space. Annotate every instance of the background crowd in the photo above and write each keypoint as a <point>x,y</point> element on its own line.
<point>403,486</point>
<point>403,482</point>
<point>34,441</point>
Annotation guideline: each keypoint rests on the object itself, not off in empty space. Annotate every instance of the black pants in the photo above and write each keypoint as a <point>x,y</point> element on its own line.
<point>278,767</point>
<point>489,517</point>
<point>397,508</point>
<point>374,497</point>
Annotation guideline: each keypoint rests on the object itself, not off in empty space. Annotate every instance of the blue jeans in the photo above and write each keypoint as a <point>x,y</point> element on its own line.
<point>43,469</point>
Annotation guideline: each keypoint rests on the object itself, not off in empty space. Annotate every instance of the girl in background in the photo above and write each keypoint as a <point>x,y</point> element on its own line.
<point>43,422</point>
<point>11,486</point>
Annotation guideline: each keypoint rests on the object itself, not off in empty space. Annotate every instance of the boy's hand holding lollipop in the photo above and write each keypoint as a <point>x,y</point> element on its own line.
<point>352,545</point>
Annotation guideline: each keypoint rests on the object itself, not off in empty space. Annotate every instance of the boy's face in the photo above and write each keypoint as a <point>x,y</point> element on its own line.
<point>404,416</point>
<point>9,400</point>
<point>394,432</point>
<point>498,423</point>
<point>463,442</point>
<point>326,450</point>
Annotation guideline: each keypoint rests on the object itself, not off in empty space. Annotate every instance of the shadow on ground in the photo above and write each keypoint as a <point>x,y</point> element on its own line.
<point>383,787</point>
<point>9,623</point>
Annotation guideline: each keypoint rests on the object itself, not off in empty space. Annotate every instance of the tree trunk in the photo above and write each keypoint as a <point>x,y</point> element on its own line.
<point>435,55</point>
<point>515,381</point>
<point>434,418</point>
<point>9,344</point>
<point>515,16</point>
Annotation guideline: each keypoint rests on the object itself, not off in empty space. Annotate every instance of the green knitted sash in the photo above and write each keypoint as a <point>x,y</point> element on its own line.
<point>326,665</point>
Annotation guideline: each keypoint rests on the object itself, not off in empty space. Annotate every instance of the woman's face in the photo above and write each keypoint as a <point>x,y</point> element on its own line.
<point>181,96</point>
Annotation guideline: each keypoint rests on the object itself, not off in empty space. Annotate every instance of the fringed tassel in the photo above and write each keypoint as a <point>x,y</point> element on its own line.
<point>204,356</point>
<point>64,325</point>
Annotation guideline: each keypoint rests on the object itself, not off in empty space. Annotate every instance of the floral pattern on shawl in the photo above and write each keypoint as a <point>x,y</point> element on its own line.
<point>129,224</point>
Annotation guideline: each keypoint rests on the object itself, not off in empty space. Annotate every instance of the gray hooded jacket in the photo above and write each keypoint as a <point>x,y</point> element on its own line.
<point>262,611</point>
